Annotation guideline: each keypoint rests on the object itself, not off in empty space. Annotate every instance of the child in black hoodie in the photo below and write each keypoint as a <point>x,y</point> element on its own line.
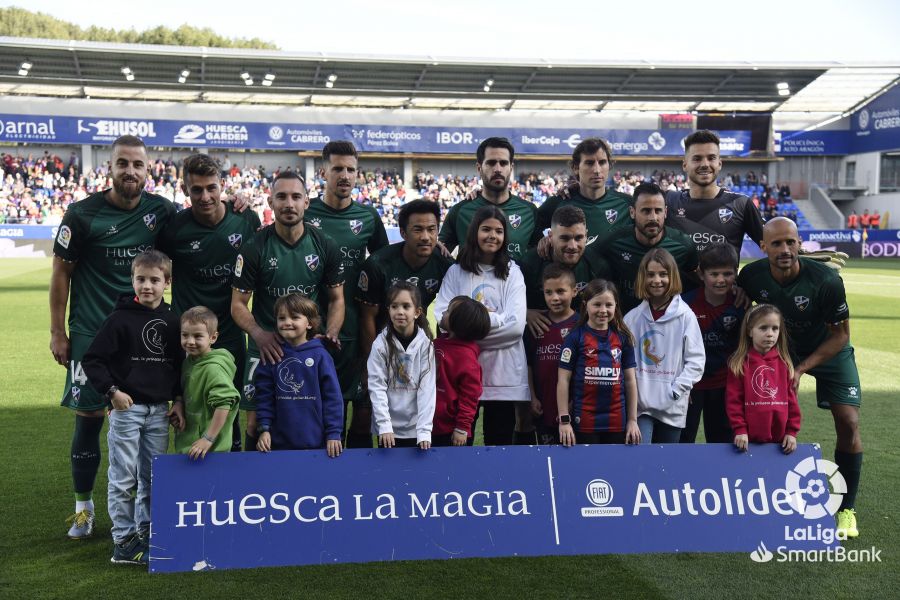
<point>135,361</point>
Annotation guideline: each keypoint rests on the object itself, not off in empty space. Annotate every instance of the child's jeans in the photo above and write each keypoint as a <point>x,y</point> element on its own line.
<point>135,436</point>
<point>656,432</point>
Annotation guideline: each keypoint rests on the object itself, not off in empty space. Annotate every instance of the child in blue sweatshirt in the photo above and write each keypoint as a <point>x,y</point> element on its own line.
<point>299,401</point>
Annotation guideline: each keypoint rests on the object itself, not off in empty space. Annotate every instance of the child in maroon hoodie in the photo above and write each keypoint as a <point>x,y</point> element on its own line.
<point>458,372</point>
<point>760,401</point>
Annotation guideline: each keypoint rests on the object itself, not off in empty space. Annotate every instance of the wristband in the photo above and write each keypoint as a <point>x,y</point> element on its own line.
<point>465,433</point>
<point>206,437</point>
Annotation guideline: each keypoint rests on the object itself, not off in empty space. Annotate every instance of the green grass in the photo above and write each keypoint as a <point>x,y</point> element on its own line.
<point>37,561</point>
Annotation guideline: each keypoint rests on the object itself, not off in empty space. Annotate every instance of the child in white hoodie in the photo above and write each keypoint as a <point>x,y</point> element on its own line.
<point>402,373</point>
<point>486,274</point>
<point>668,349</point>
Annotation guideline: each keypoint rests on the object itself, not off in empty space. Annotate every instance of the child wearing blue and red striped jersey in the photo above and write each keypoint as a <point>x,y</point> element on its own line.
<point>720,324</point>
<point>542,352</point>
<point>596,391</point>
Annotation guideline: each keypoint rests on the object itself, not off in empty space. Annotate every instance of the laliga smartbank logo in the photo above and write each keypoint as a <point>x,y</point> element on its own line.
<point>815,500</point>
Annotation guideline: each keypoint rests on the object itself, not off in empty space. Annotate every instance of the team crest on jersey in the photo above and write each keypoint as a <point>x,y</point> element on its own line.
<point>431,284</point>
<point>76,394</point>
<point>356,226</point>
<point>611,215</point>
<point>515,221</point>
<point>235,240</point>
<point>249,391</point>
<point>64,236</point>
<point>363,283</point>
<point>729,322</point>
<point>150,221</point>
<point>315,223</point>
<point>312,261</point>
<point>801,301</point>
<point>239,266</point>
<point>725,214</point>
<point>566,355</point>
<point>579,287</point>
<point>616,354</point>
<point>563,331</point>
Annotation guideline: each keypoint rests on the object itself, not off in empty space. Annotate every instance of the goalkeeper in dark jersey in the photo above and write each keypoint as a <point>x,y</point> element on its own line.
<point>709,214</point>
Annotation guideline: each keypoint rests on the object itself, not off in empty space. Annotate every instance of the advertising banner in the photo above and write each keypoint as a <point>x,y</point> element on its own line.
<point>300,507</point>
<point>367,138</point>
<point>876,126</point>
<point>812,143</point>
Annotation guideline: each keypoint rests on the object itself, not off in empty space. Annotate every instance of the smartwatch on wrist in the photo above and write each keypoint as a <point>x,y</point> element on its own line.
<point>111,391</point>
<point>564,419</point>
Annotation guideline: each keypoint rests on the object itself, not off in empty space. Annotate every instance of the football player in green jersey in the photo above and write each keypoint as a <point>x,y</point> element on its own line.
<point>203,243</point>
<point>283,258</point>
<point>494,161</point>
<point>814,302</point>
<point>95,244</point>
<point>355,229</point>
<point>568,239</point>
<point>416,260</point>
<point>624,248</point>
<point>604,208</point>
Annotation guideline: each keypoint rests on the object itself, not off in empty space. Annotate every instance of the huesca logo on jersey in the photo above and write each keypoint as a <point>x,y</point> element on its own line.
<point>801,301</point>
<point>611,215</point>
<point>515,221</point>
<point>64,236</point>
<point>363,283</point>
<point>725,214</point>
<point>729,322</point>
<point>431,284</point>
<point>150,221</point>
<point>235,240</point>
<point>312,261</point>
<point>356,226</point>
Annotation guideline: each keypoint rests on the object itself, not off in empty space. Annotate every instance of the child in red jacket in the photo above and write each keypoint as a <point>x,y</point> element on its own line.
<point>760,401</point>
<point>458,372</point>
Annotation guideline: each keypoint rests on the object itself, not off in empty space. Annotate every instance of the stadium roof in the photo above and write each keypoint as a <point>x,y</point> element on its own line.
<point>190,74</point>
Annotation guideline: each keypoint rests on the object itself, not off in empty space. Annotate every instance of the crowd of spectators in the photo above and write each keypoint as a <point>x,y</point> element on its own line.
<point>37,189</point>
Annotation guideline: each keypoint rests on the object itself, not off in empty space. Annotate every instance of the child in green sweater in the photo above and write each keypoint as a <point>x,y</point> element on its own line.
<point>210,398</point>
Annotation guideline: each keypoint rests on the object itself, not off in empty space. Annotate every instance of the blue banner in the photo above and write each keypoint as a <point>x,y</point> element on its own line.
<point>28,232</point>
<point>812,143</point>
<point>368,138</point>
<point>876,126</point>
<point>295,508</point>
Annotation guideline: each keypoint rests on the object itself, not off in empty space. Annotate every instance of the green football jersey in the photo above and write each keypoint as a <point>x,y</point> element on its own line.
<point>354,229</point>
<point>590,267</point>
<point>103,240</point>
<point>813,300</point>
<point>269,267</point>
<point>521,215</point>
<point>203,262</point>
<point>623,253</point>
<point>603,215</point>
<point>387,266</point>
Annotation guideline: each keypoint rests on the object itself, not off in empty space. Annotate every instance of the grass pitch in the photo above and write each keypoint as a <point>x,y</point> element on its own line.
<point>37,561</point>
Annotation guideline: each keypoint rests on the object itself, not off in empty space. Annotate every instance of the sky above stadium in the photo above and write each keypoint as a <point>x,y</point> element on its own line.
<point>757,30</point>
